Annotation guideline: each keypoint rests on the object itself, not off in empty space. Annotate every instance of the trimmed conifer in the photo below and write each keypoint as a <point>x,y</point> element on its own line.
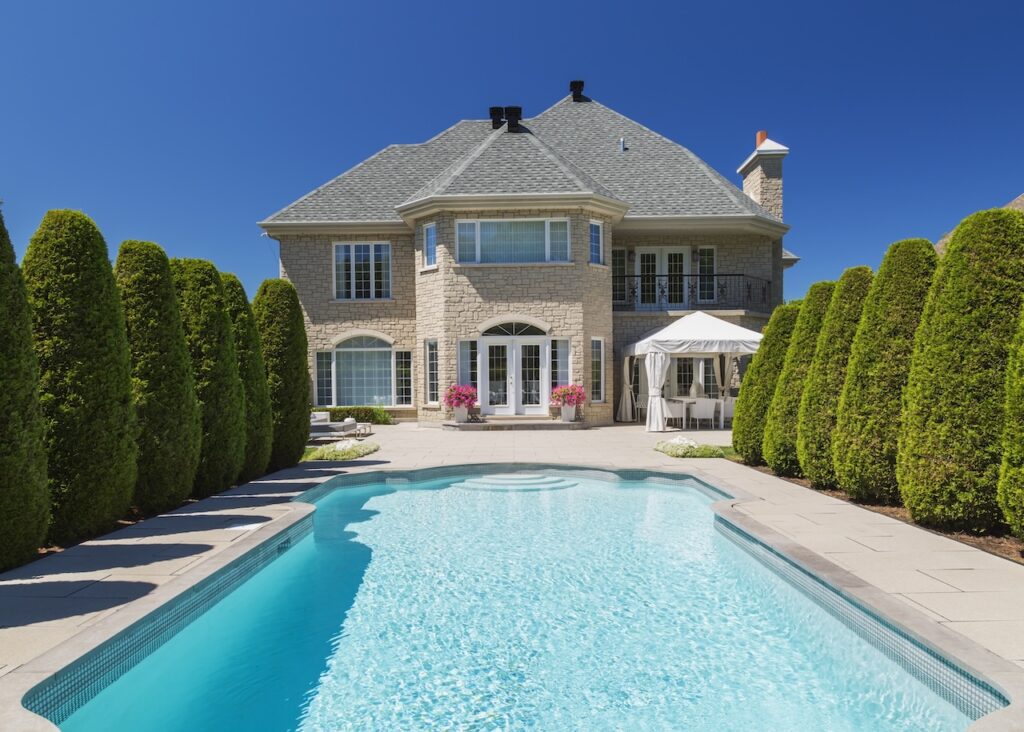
<point>84,375</point>
<point>868,423</point>
<point>259,426</point>
<point>759,384</point>
<point>779,446</point>
<point>1010,492</point>
<point>163,390</point>
<point>820,401</point>
<point>950,447</point>
<point>24,493</point>
<point>283,339</point>
<point>211,346</point>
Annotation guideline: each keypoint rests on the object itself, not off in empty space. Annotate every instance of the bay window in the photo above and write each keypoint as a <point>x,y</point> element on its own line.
<point>430,245</point>
<point>596,243</point>
<point>510,241</point>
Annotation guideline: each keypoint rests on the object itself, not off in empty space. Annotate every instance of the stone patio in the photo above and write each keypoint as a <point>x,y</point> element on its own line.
<point>61,597</point>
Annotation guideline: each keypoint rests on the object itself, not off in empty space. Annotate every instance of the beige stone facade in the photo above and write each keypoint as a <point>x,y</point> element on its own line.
<point>450,302</point>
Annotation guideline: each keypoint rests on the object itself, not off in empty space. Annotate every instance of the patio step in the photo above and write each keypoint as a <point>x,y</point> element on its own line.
<point>514,423</point>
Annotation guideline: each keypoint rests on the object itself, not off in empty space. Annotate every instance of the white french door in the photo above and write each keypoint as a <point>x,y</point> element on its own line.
<point>662,277</point>
<point>514,373</point>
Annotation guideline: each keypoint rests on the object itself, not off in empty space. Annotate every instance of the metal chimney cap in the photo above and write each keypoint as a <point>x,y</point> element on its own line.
<point>576,88</point>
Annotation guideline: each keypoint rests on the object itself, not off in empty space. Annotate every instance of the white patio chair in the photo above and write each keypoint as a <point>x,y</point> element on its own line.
<point>730,408</point>
<point>675,409</point>
<point>703,409</point>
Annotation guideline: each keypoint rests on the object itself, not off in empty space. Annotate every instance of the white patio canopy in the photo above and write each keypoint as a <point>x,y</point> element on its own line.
<point>697,334</point>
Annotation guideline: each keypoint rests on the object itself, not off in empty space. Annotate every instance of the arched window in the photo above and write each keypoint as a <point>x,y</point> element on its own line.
<point>364,371</point>
<point>514,329</point>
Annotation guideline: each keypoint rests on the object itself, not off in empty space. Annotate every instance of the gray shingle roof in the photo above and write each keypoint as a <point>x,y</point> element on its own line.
<point>571,147</point>
<point>516,163</point>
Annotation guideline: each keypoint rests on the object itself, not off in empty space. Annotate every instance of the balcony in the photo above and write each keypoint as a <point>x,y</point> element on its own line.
<point>653,293</point>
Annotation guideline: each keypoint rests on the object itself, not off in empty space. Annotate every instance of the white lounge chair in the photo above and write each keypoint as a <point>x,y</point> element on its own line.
<point>676,409</point>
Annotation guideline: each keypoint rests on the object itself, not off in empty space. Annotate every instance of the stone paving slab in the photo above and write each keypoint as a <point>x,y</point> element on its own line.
<point>52,601</point>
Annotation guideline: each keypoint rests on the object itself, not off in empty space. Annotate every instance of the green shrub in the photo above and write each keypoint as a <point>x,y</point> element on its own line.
<point>330,452</point>
<point>1010,493</point>
<point>259,425</point>
<point>779,446</point>
<point>373,415</point>
<point>211,346</point>
<point>283,339</point>
<point>84,375</point>
<point>24,494</point>
<point>677,450</point>
<point>950,452</point>
<point>868,422</point>
<point>163,392</point>
<point>819,403</point>
<point>759,384</point>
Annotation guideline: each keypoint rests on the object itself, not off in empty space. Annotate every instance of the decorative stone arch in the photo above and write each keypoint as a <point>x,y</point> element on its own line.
<point>514,318</point>
<point>362,332</point>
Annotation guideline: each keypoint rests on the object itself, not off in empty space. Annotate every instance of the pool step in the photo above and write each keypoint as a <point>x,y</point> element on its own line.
<point>516,483</point>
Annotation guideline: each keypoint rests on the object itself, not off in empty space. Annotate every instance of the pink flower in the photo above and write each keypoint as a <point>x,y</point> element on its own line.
<point>460,395</point>
<point>571,395</point>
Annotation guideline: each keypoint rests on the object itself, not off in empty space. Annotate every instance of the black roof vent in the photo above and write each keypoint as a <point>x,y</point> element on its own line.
<point>512,116</point>
<point>576,87</point>
<point>497,117</point>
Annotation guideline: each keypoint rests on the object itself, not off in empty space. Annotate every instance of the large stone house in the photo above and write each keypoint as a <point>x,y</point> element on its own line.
<point>519,253</point>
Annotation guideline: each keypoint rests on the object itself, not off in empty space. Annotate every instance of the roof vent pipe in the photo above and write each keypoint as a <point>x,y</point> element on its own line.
<point>512,116</point>
<point>576,87</point>
<point>497,117</point>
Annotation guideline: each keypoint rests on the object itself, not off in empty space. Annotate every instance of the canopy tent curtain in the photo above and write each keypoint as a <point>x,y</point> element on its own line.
<point>695,335</point>
<point>657,370</point>
<point>626,400</point>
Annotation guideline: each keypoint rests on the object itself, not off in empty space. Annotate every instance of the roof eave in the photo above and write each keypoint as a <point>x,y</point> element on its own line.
<point>276,228</point>
<point>613,208</point>
<point>736,222</point>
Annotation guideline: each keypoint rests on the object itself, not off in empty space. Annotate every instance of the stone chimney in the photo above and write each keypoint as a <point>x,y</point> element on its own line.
<point>762,174</point>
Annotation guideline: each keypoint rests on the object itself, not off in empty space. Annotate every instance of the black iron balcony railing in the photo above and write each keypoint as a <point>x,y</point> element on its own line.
<point>691,292</point>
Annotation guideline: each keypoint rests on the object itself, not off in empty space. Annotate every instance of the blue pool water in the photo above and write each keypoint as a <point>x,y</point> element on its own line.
<point>528,602</point>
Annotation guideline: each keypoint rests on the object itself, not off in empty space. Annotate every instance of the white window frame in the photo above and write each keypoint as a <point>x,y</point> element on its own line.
<point>334,377</point>
<point>427,264</point>
<point>624,275</point>
<point>551,346</point>
<point>373,271</point>
<point>547,240</point>
<point>604,392</point>
<point>600,242</point>
<point>426,370</point>
<point>713,275</point>
<point>394,376</point>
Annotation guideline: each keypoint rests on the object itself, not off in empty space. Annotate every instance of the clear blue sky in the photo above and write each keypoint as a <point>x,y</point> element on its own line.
<point>185,124</point>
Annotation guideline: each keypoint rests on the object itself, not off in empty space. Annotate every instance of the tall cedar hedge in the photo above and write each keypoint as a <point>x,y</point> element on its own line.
<point>24,494</point>
<point>868,424</point>
<point>950,447</point>
<point>84,375</point>
<point>283,339</point>
<point>1011,477</point>
<point>816,420</point>
<point>162,386</point>
<point>259,425</point>
<point>1011,487</point>
<point>759,384</point>
<point>779,446</point>
<point>211,346</point>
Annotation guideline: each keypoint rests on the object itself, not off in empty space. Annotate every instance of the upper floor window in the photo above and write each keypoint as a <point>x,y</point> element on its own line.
<point>362,271</point>
<point>430,245</point>
<point>596,243</point>
<point>706,274</point>
<point>512,241</point>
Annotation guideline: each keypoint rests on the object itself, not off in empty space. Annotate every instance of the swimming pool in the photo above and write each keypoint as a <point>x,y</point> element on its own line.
<point>551,599</point>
